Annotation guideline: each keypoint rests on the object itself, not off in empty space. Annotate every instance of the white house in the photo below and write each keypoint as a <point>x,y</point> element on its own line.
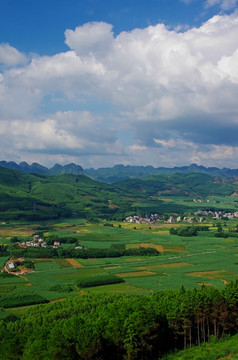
<point>11,266</point>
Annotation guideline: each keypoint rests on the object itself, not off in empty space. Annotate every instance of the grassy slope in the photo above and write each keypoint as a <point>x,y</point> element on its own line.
<point>224,349</point>
<point>58,195</point>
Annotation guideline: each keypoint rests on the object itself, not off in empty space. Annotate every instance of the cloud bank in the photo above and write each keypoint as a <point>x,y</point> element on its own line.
<point>149,96</point>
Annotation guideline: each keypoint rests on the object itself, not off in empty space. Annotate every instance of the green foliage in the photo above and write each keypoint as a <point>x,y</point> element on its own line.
<point>192,184</point>
<point>61,288</point>
<point>99,280</point>
<point>20,299</point>
<point>4,251</point>
<point>129,327</point>
<point>62,240</point>
<point>78,253</point>
<point>14,239</point>
<point>225,348</point>
<point>33,197</point>
<point>184,231</point>
<point>5,274</point>
<point>27,263</point>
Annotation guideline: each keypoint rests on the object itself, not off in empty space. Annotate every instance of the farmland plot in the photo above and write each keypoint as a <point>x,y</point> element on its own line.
<point>183,261</point>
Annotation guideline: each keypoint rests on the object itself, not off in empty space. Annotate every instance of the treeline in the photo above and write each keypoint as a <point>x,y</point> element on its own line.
<point>26,263</point>
<point>188,230</point>
<point>20,299</point>
<point>99,280</point>
<point>4,250</point>
<point>47,253</point>
<point>62,240</point>
<point>226,234</point>
<point>193,231</point>
<point>119,326</point>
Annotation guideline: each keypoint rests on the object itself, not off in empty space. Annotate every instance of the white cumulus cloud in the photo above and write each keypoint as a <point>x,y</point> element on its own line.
<point>175,92</point>
<point>10,56</point>
<point>91,39</point>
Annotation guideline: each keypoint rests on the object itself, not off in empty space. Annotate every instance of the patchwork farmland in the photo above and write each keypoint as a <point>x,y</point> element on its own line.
<point>191,262</point>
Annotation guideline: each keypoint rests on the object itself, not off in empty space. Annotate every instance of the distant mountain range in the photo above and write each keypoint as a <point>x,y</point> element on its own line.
<point>118,172</point>
<point>40,169</point>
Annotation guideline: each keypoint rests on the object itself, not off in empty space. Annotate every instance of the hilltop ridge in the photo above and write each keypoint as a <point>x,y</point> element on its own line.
<point>118,172</point>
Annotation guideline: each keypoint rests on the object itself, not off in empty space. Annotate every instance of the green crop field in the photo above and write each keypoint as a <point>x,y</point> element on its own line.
<point>3,260</point>
<point>191,262</point>
<point>46,266</point>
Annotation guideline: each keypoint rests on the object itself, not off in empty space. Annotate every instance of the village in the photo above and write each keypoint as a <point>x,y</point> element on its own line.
<point>38,242</point>
<point>197,216</point>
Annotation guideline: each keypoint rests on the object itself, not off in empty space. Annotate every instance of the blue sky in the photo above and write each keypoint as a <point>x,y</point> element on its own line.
<point>135,82</point>
<point>38,26</point>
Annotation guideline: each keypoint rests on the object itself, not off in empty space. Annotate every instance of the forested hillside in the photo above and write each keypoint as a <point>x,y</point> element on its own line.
<point>122,172</point>
<point>32,196</point>
<point>129,327</point>
<point>28,196</point>
<point>191,185</point>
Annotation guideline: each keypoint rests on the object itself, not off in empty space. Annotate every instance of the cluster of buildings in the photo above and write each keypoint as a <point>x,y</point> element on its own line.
<point>152,218</point>
<point>199,217</point>
<point>218,215</point>
<point>189,220</point>
<point>38,242</point>
<point>148,219</point>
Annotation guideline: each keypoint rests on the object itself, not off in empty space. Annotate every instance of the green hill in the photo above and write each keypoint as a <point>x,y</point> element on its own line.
<point>39,196</point>
<point>192,184</point>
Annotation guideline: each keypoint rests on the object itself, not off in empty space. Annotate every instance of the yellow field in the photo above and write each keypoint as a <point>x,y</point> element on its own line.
<point>206,284</point>
<point>136,274</point>
<point>161,232</point>
<point>74,263</point>
<point>160,248</point>
<point>164,266</point>
<point>16,231</point>
<point>219,274</point>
